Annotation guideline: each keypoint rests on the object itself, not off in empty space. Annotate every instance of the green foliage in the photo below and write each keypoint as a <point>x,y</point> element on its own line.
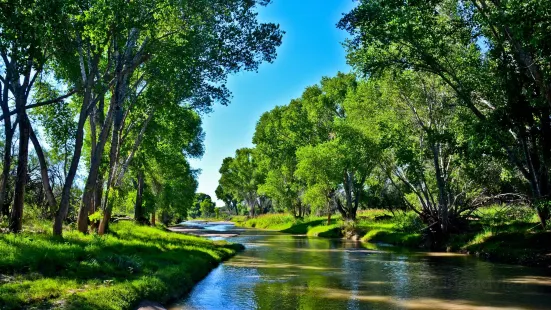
<point>96,216</point>
<point>492,59</point>
<point>271,221</point>
<point>326,231</point>
<point>207,208</point>
<point>117,271</point>
<point>408,222</point>
<point>240,177</point>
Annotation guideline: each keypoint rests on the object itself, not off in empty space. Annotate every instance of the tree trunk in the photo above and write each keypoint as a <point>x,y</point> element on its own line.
<point>153,223</point>
<point>348,191</point>
<point>442,196</point>
<point>6,163</point>
<point>4,179</point>
<point>340,207</point>
<point>98,192</point>
<point>115,139</point>
<point>104,224</point>
<point>138,209</point>
<point>44,173</point>
<point>22,162</point>
<point>235,208</point>
<point>165,218</point>
<point>94,182</point>
<point>93,142</point>
<point>66,193</point>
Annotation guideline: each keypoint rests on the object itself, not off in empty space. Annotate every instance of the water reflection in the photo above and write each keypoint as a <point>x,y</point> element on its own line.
<point>279,271</point>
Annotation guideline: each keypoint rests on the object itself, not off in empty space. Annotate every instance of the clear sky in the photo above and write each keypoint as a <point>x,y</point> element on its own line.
<point>311,49</point>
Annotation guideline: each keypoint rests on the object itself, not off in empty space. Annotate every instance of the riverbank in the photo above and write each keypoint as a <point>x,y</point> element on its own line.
<point>115,271</point>
<point>499,234</point>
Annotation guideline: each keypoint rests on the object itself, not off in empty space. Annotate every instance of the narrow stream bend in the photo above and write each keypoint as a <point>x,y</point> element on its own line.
<point>281,271</point>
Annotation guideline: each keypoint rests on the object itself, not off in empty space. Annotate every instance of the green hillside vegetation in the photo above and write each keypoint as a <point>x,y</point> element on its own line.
<point>508,234</point>
<point>115,271</point>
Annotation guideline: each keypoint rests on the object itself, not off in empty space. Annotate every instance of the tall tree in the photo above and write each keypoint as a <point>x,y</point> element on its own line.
<point>490,53</point>
<point>278,135</point>
<point>32,32</point>
<point>228,198</point>
<point>241,177</point>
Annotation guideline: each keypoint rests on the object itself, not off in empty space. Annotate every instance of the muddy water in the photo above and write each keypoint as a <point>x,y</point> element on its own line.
<point>279,271</point>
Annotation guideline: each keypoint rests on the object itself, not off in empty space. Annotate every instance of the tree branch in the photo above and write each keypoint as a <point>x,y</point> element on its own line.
<point>43,103</point>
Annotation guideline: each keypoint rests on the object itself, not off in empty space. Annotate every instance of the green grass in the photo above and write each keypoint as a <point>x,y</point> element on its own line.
<point>393,237</point>
<point>311,226</point>
<point>402,229</point>
<point>326,231</point>
<point>270,221</point>
<point>508,234</point>
<point>116,271</point>
<point>525,248</point>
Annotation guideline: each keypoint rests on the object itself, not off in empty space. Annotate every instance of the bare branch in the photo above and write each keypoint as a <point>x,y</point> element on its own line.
<point>43,103</point>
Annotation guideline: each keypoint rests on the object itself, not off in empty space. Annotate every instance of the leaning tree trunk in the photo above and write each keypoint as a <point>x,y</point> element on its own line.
<point>66,193</point>
<point>22,162</point>
<point>44,172</point>
<point>94,182</point>
<point>115,140</point>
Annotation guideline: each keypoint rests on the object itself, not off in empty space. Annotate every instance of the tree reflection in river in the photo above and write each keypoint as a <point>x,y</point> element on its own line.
<point>281,272</point>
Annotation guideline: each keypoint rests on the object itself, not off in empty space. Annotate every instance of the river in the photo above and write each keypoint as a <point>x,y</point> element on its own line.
<point>281,271</point>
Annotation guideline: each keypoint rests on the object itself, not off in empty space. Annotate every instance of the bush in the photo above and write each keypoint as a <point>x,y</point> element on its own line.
<point>349,229</point>
<point>408,222</point>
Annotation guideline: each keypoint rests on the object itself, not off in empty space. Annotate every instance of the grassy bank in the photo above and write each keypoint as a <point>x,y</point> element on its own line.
<point>501,234</point>
<point>115,271</point>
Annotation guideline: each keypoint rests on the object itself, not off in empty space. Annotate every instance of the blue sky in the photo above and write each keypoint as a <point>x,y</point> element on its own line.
<point>311,49</point>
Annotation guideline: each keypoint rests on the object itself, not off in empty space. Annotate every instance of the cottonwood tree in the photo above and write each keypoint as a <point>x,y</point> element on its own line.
<point>241,177</point>
<point>430,166</point>
<point>114,48</point>
<point>278,135</point>
<point>343,155</point>
<point>32,33</point>
<point>229,200</point>
<point>491,53</point>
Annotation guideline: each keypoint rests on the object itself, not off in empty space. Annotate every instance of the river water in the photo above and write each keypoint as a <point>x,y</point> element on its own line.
<point>281,271</point>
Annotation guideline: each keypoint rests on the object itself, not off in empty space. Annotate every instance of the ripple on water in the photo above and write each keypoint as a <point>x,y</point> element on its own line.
<point>278,271</point>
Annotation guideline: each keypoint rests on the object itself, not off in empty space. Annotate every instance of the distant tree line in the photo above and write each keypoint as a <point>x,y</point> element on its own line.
<point>448,109</point>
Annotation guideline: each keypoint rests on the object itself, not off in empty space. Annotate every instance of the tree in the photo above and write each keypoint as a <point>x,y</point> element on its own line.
<point>32,31</point>
<point>278,135</point>
<point>228,198</point>
<point>344,156</point>
<point>207,207</point>
<point>241,177</point>
<point>491,55</point>
<point>430,166</point>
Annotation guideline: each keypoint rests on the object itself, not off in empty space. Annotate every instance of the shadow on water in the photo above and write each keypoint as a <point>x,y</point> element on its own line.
<point>279,271</point>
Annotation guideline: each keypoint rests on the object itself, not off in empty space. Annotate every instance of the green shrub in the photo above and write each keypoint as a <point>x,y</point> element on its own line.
<point>408,222</point>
